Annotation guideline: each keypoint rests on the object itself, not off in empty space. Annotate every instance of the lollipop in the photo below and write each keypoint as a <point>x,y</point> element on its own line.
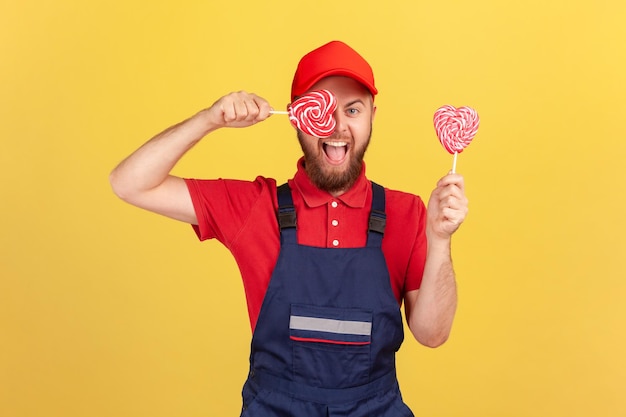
<point>313,113</point>
<point>455,128</point>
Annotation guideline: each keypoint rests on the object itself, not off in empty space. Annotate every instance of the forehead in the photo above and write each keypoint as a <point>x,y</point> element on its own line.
<point>342,87</point>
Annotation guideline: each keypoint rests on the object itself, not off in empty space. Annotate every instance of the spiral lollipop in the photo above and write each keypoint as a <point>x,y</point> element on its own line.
<point>313,113</point>
<point>455,127</point>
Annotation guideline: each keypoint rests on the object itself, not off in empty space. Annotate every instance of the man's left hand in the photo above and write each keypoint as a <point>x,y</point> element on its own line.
<point>447,207</point>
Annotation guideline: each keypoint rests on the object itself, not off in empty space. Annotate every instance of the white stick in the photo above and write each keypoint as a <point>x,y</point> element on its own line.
<point>278,112</point>
<point>454,163</point>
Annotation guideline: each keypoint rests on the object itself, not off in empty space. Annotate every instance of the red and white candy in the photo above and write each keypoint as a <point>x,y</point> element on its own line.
<point>455,127</point>
<point>313,113</point>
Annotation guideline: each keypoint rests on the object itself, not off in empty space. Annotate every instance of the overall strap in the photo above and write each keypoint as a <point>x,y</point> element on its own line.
<point>286,215</point>
<point>378,218</point>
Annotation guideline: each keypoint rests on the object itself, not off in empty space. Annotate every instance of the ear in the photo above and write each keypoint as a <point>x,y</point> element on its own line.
<point>373,111</point>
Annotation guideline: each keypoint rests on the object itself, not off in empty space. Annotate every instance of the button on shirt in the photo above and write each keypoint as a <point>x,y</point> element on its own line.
<point>334,231</point>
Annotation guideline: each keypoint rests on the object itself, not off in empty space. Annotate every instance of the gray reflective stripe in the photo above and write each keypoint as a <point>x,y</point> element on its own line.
<point>361,328</point>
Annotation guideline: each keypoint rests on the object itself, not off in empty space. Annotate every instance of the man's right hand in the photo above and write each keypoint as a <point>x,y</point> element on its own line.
<point>238,109</point>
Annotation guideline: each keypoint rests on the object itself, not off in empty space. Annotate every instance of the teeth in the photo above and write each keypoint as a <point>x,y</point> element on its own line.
<point>336,144</point>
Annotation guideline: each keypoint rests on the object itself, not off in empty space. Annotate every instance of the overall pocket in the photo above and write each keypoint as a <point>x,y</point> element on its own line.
<point>331,346</point>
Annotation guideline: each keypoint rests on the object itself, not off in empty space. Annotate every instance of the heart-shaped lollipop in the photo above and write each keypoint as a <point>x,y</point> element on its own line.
<point>455,127</point>
<point>313,113</point>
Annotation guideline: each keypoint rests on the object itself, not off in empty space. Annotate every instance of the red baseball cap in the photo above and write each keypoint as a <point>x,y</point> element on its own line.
<point>333,58</point>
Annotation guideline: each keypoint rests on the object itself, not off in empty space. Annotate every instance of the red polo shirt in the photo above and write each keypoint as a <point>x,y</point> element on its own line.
<point>242,216</point>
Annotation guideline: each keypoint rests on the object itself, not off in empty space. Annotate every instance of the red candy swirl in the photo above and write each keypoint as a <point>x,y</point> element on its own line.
<point>313,113</point>
<point>455,127</point>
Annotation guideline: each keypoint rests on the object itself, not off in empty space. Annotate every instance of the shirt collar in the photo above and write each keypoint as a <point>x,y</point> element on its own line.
<point>314,197</point>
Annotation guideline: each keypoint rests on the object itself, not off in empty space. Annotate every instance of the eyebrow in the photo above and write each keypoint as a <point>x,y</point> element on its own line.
<point>358,100</point>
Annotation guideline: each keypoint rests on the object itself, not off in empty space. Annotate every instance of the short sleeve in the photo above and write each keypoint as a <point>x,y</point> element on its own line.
<point>405,242</point>
<point>224,206</point>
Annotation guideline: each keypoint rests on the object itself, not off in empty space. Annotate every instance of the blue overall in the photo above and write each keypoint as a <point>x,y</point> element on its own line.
<point>328,329</point>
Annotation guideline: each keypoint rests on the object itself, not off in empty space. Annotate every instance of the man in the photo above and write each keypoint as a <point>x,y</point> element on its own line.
<point>327,259</point>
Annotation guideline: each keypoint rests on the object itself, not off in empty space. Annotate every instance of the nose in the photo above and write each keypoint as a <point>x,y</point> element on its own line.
<point>341,122</point>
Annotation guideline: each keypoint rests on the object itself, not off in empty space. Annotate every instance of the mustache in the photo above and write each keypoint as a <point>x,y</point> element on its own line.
<point>337,136</point>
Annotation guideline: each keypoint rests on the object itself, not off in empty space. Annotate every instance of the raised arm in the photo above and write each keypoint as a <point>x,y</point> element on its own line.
<point>143,179</point>
<point>430,310</point>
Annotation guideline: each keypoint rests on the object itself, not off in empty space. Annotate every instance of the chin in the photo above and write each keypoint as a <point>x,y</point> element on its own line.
<point>334,178</point>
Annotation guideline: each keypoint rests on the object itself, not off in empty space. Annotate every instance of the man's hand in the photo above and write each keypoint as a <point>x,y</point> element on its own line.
<point>447,207</point>
<point>239,109</point>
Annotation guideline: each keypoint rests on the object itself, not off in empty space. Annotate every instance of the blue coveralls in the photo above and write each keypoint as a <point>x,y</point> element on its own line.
<point>328,329</point>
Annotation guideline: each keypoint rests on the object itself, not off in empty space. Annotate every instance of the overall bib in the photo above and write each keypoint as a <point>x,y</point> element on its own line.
<point>328,329</point>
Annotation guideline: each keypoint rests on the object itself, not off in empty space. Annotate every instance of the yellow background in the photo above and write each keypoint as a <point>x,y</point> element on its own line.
<point>106,310</point>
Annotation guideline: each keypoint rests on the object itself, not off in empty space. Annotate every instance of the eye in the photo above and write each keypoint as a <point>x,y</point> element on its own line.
<point>353,111</point>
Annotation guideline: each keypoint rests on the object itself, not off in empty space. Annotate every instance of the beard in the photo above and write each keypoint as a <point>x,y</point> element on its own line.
<point>332,179</point>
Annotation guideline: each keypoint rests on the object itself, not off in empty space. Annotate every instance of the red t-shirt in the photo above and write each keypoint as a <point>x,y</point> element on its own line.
<point>242,216</point>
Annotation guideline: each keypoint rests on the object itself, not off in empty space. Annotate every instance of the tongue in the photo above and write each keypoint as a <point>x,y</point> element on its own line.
<point>335,153</point>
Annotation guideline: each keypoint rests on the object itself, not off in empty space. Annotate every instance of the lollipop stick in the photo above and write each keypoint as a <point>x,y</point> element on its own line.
<point>454,163</point>
<point>278,112</point>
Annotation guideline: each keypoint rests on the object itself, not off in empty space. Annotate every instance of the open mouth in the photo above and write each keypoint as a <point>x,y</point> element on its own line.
<point>335,151</point>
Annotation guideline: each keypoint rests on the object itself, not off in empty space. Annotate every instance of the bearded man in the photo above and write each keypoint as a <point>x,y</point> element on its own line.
<point>327,259</point>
